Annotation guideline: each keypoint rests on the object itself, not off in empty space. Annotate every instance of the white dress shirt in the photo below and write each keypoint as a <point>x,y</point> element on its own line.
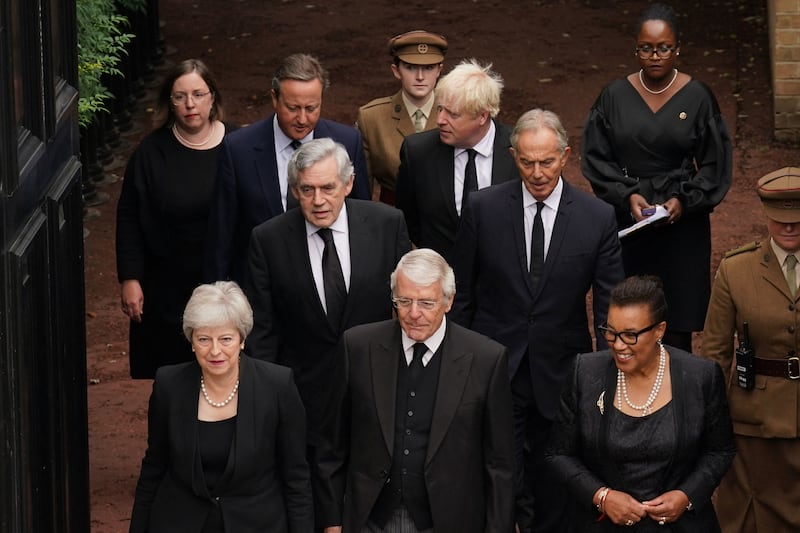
<point>548,214</point>
<point>483,164</point>
<point>432,343</point>
<point>283,152</point>
<point>340,231</point>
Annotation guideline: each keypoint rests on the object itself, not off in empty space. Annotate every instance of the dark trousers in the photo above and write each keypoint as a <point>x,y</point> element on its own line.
<point>541,499</point>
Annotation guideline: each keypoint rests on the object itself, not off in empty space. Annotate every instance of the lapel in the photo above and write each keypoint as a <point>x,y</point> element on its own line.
<point>246,423</point>
<point>266,167</point>
<point>296,245</point>
<point>610,388</point>
<point>400,116</point>
<point>186,393</point>
<point>503,167</point>
<point>773,273</point>
<point>453,373</point>
<point>384,358</point>
<point>445,173</point>
<point>516,209</point>
<point>361,240</point>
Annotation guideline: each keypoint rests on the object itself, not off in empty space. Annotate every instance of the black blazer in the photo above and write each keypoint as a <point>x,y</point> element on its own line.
<point>291,327</point>
<point>578,448</point>
<point>425,191</point>
<point>247,191</point>
<point>265,486</point>
<point>470,463</point>
<point>495,295</point>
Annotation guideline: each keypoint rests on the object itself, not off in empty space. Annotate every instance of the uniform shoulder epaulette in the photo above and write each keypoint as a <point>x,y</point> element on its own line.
<point>378,101</point>
<point>749,247</point>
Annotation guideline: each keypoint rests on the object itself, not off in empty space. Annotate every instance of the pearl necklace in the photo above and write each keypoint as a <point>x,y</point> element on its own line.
<point>190,143</point>
<point>651,91</point>
<point>622,385</point>
<point>223,403</point>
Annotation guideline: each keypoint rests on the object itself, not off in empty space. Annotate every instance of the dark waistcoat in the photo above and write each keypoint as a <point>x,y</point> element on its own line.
<point>413,416</point>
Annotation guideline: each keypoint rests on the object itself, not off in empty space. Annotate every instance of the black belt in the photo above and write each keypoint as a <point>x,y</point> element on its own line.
<point>788,368</point>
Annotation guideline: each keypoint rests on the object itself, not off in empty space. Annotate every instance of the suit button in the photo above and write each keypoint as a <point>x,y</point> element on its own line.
<point>408,432</point>
<point>406,452</point>
<point>410,413</point>
<point>405,471</point>
<point>413,394</point>
<point>791,329</point>
<point>530,319</point>
<point>791,307</point>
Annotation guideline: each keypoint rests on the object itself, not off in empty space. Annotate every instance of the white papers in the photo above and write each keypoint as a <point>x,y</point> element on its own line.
<point>661,213</point>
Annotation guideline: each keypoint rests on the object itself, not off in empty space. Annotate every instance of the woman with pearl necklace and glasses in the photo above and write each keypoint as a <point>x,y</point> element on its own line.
<point>643,435</point>
<point>162,215</point>
<point>657,138</point>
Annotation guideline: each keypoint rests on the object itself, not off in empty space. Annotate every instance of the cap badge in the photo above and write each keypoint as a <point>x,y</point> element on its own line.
<point>422,48</point>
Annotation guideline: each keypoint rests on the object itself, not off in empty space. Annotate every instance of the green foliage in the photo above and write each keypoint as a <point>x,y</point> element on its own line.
<point>101,44</point>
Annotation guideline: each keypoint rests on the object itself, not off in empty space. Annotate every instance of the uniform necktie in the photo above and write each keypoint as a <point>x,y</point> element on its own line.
<point>419,120</point>
<point>291,201</point>
<point>537,245</point>
<point>416,366</point>
<point>791,276</point>
<point>332,280</point>
<point>470,177</point>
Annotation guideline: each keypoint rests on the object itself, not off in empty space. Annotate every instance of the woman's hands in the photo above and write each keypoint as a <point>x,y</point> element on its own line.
<point>667,507</point>
<point>623,509</point>
<point>673,205</point>
<point>132,299</point>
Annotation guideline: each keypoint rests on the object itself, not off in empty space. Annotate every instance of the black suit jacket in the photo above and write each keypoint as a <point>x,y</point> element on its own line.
<point>247,191</point>
<point>578,448</point>
<point>291,327</point>
<point>265,486</point>
<point>469,465</point>
<point>425,190</point>
<point>495,295</point>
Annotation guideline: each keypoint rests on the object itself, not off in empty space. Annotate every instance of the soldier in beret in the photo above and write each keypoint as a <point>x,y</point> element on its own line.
<point>384,122</point>
<point>757,284</point>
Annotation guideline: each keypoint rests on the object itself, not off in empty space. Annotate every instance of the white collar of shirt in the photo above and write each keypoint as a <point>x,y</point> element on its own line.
<point>283,152</point>
<point>340,230</point>
<point>432,343</point>
<point>483,164</point>
<point>411,107</point>
<point>782,254</point>
<point>548,214</point>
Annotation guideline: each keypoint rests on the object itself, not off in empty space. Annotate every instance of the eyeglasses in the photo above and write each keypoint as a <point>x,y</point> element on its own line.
<point>662,51</point>
<point>628,337</point>
<point>182,98</point>
<point>405,303</point>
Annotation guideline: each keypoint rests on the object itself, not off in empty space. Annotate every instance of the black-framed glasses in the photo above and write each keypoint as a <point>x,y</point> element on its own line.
<point>628,337</point>
<point>405,303</point>
<point>662,51</point>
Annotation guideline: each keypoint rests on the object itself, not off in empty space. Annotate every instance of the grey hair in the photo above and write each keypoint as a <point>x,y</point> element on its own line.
<point>315,151</point>
<point>218,304</point>
<point>300,67</point>
<point>536,119</point>
<point>424,267</point>
<point>471,88</point>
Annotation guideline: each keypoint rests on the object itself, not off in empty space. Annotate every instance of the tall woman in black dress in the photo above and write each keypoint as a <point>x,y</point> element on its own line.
<point>162,216</point>
<point>657,137</point>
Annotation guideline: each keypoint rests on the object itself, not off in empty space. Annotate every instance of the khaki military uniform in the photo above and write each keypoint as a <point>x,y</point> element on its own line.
<point>384,123</point>
<point>761,492</point>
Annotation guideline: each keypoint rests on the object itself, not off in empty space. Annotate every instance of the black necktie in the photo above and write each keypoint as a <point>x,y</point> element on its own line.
<point>470,177</point>
<point>537,245</point>
<point>416,366</point>
<point>291,201</point>
<point>332,280</point>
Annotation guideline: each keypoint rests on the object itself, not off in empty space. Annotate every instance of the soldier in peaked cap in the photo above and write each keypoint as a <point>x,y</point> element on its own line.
<point>757,285</point>
<point>384,122</point>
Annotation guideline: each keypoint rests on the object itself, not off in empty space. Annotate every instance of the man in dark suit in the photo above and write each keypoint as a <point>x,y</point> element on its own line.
<point>251,184</point>
<point>315,271</point>
<point>526,256</point>
<point>469,151</point>
<point>419,427</point>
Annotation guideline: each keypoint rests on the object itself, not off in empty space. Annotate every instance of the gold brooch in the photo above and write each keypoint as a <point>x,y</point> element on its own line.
<point>682,115</point>
<point>601,403</point>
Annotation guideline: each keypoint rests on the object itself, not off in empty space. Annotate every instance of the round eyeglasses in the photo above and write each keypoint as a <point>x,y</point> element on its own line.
<point>661,51</point>
<point>182,98</point>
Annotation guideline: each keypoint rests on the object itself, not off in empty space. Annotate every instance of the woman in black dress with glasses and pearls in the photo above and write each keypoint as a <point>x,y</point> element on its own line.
<point>653,138</point>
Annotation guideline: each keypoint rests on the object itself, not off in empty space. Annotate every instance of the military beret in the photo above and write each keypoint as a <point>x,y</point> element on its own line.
<point>418,47</point>
<point>780,194</point>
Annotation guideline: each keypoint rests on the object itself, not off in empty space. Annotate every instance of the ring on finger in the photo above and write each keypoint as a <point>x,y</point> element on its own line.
<point>662,521</point>
<point>629,522</point>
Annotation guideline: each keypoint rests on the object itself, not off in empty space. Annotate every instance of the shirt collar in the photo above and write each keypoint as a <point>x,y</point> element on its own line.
<point>339,225</point>
<point>283,141</point>
<point>432,343</point>
<point>551,201</point>
<point>426,108</point>
<point>780,253</point>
